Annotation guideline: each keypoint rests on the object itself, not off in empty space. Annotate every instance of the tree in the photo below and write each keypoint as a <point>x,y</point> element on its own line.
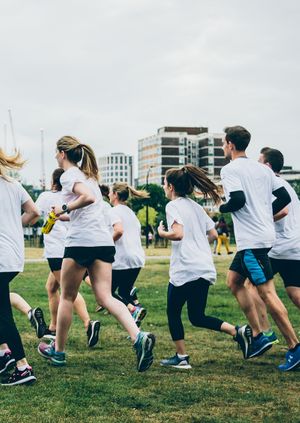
<point>157,199</point>
<point>141,215</point>
<point>296,186</point>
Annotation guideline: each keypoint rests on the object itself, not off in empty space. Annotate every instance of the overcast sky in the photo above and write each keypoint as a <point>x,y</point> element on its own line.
<point>112,72</point>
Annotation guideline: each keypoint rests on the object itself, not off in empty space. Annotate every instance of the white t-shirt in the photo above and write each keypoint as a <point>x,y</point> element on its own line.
<point>54,242</point>
<point>106,208</point>
<point>287,244</point>
<point>191,257</point>
<point>253,223</point>
<point>129,250</point>
<point>13,196</point>
<point>88,227</point>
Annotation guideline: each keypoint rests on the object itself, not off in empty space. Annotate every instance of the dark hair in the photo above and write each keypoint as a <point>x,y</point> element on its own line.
<point>190,178</point>
<point>104,190</point>
<point>264,150</point>
<point>56,178</point>
<point>275,158</point>
<point>239,136</point>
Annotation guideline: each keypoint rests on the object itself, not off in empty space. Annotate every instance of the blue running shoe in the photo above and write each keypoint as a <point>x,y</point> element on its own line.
<point>143,347</point>
<point>292,360</point>
<point>175,361</point>
<point>244,338</point>
<point>138,314</point>
<point>272,337</point>
<point>48,351</point>
<point>260,344</point>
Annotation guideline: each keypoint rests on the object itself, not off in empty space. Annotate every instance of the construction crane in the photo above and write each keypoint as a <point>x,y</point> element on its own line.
<point>43,171</point>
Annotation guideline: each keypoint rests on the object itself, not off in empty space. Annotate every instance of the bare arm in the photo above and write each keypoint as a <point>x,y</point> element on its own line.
<point>31,214</point>
<point>280,215</point>
<point>212,235</point>
<point>175,234</point>
<point>85,198</point>
<point>118,231</point>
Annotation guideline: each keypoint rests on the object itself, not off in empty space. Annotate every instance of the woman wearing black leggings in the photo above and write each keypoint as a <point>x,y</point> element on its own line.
<point>13,199</point>
<point>192,270</point>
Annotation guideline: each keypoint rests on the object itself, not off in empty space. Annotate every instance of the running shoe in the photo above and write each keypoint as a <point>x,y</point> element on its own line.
<point>175,361</point>
<point>138,314</point>
<point>48,351</point>
<point>36,318</point>
<point>99,308</point>
<point>260,344</point>
<point>143,346</point>
<point>20,377</point>
<point>272,337</point>
<point>292,360</point>
<point>93,333</point>
<point>244,338</point>
<point>6,361</point>
<point>50,334</point>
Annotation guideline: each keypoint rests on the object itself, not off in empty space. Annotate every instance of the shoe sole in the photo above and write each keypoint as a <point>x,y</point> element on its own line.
<point>8,365</point>
<point>264,349</point>
<point>94,338</point>
<point>182,367</point>
<point>28,380</point>
<point>141,315</point>
<point>52,337</point>
<point>40,327</point>
<point>147,347</point>
<point>247,338</point>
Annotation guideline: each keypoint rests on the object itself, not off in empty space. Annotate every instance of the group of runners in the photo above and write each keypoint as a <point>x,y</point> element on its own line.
<point>93,241</point>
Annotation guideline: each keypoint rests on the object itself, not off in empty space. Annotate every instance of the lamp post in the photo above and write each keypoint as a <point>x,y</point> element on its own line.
<point>147,209</point>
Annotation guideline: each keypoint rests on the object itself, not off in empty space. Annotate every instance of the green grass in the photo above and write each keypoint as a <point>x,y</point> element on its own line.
<point>102,385</point>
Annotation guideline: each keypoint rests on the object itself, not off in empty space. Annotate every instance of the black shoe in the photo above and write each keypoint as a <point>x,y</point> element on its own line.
<point>6,362</point>
<point>37,321</point>
<point>93,332</point>
<point>49,334</point>
<point>244,338</point>
<point>19,377</point>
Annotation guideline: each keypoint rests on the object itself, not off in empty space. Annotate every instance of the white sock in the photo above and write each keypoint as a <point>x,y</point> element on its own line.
<point>181,356</point>
<point>2,352</point>
<point>22,368</point>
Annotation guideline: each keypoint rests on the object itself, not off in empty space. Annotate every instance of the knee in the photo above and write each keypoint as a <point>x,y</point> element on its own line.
<point>196,319</point>
<point>232,286</point>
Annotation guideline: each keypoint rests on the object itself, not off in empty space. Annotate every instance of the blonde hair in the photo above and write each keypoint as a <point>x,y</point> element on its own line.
<point>10,163</point>
<point>123,190</point>
<point>76,152</point>
<point>190,179</point>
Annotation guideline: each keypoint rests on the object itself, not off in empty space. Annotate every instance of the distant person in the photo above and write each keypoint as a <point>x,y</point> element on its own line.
<point>223,235</point>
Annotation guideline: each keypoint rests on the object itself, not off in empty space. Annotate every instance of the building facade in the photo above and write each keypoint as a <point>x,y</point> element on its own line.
<point>116,167</point>
<point>177,146</point>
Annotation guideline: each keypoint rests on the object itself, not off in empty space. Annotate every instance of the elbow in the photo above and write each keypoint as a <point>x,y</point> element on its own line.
<point>89,199</point>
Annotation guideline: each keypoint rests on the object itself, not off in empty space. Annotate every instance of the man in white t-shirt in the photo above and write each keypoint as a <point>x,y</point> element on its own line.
<point>249,189</point>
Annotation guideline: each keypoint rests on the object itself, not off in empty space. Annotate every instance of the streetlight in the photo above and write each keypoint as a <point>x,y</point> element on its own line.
<point>147,209</point>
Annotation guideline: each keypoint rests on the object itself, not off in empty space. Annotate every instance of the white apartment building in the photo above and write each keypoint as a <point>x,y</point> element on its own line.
<point>116,167</point>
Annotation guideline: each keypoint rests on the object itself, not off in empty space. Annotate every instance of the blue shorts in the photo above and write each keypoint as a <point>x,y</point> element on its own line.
<point>253,264</point>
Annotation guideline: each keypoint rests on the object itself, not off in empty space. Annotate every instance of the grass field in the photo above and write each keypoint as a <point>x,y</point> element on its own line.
<point>102,385</point>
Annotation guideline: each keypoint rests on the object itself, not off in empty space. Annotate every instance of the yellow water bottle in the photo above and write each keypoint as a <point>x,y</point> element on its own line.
<point>48,225</point>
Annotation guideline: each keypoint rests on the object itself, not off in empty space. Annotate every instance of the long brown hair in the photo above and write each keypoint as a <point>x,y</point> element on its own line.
<point>123,190</point>
<point>190,179</point>
<point>77,151</point>
<point>56,179</point>
<point>7,163</point>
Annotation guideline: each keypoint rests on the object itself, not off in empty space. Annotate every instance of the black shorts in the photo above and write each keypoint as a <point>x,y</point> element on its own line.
<point>85,256</point>
<point>55,264</point>
<point>289,271</point>
<point>253,264</point>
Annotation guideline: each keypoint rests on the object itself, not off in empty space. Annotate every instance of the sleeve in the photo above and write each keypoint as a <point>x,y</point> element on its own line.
<point>114,217</point>
<point>173,215</point>
<point>276,182</point>
<point>40,203</point>
<point>24,196</point>
<point>210,224</point>
<point>69,179</point>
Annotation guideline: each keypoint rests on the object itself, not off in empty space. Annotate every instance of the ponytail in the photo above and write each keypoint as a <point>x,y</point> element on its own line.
<point>190,179</point>
<point>10,163</point>
<point>124,191</point>
<point>77,152</point>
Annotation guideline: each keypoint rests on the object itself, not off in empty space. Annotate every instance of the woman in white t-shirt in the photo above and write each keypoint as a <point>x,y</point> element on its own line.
<point>192,270</point>
<point>89,246</point>
<point>54,243</point>
<point>130,256</point>
<point>14,198</point>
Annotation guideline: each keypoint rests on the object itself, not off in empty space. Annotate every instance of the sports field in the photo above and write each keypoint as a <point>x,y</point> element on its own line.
<point>102,385</point>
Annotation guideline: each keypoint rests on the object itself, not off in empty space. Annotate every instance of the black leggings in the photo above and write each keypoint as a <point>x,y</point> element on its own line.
<point>195,295</point>
<point>124,281</point>
<point>8,331</point>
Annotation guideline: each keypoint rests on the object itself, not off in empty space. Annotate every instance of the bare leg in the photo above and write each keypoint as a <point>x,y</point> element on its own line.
<point>180,347</point>
<point>294,294</point>
<point>19,303</point>
<point>100,275</point>
<point>278,312</point>
<point>235,283</point>
<point>260,307</point>
<point>71,277</point>
<point>52,287</point>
